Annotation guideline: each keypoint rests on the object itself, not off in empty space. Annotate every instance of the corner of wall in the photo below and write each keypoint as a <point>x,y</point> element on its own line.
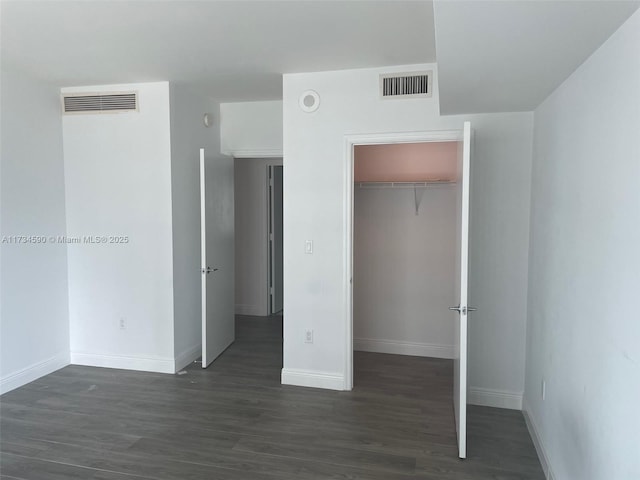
<point>34,372</point>
<point>33,203</point>
<point>187,357</point>
<point>313,379</point>
<point>537,440</point>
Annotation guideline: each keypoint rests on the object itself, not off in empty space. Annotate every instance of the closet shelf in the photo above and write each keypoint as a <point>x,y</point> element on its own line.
<point>418,187</point>
<point>424,184</point>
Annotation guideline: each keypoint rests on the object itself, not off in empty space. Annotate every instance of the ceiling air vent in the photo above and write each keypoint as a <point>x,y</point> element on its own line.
<point>116,102</point>
<point>406,85</point>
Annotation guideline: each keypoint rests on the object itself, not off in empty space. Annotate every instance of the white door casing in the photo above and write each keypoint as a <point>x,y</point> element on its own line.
<point>275,239</point>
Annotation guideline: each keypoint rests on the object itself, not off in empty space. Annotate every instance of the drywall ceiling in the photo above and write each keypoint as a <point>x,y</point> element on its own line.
<point>231,50</point>
<point>503,56</point>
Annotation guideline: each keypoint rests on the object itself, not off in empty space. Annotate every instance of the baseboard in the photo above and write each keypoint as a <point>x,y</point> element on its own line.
<point>494,398</point>
<point>143,364</point>
<point>251,310</point>
<point>307,378</point>
<point>187,357</point>
<point>33,372</point>
<point>537,441</point>
<point>403,348</point>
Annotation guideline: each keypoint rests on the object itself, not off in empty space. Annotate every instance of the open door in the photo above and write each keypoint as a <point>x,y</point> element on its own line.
<point>461,291</point>
<point>275,239</point>
<point>217,254</point>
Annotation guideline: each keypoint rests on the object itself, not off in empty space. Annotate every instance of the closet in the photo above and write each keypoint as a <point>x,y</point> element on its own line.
<point>404,241</point>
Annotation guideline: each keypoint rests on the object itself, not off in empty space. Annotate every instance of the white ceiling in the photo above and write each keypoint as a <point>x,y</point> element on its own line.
<point>230,50</point>
<point>503,56</point>
<point>492,55</point>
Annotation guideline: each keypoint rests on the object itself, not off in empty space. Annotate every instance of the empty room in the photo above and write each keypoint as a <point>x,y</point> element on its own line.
<point>319,240</point>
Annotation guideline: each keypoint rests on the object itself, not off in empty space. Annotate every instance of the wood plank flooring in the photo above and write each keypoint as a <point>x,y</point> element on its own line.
<point>235,421</point>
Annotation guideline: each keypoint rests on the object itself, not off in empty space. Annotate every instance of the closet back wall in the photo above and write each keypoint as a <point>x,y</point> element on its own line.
<point>403,267</point>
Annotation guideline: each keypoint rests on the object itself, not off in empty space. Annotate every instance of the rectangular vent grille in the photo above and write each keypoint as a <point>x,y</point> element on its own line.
<point>100,103</point>
<point>417,84</point>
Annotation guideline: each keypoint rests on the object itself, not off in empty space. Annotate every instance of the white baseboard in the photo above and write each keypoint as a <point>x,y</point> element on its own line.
<point>251,310</point>
<point>537,442</point>
<point>307,378</point>
<point>144,364</point>
<point>187,357</point>
<point>494,398</point>
<point>403,348</point>
<point>33,372</point>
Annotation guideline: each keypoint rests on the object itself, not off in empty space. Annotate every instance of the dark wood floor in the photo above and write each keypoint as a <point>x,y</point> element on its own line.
<point>235,421</point>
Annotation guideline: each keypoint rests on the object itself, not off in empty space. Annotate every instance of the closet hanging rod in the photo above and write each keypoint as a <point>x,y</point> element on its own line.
<point>403,184</point>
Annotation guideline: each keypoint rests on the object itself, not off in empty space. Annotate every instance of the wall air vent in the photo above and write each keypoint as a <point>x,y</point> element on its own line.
<point>112,102</point>
<point>406,85</point>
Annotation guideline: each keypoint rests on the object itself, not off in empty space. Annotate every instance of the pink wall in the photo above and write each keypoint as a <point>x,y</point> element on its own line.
<point>406,162</point>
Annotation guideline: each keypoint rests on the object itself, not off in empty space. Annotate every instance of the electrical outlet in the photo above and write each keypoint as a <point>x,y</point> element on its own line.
<point>122,323</point>
<point>308,336</point>
<point>543,391</point>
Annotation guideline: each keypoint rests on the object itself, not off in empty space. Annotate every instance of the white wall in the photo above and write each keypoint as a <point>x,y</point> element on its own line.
<point>498,257</point>
<point>118,182</point>
<point>583,326</point>
<point>403,273</point>
<point>251,235</point>
<point>314,295</point>
<point>34,311</point>
<point>251,129</point>
<point>188,135</point>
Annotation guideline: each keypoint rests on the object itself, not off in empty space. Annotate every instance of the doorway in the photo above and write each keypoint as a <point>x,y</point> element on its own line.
<point>404,232</point>
<point>258,236</point>
<point>462,142</point>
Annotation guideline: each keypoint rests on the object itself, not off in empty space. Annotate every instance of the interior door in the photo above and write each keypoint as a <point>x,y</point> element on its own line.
<point>276,240</point>
<point>217,254</point>
<point>461,291</point>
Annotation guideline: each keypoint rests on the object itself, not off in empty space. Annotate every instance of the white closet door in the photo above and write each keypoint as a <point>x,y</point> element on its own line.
<point>462,309</point>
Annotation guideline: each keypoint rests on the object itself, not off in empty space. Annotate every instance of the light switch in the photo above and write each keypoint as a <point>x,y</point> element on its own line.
<point>308,246</point>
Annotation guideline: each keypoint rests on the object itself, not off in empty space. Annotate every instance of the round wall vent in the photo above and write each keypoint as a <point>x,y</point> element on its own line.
<point>309,101</point>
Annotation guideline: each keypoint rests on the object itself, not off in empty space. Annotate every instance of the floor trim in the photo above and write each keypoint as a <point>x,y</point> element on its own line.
<point>308,378</point>
<point>495,398</point>
<point>187,357</point>
<point>403,348</point>
<point>33,372</point>
<point>143,364</point>
<point>537,441</point>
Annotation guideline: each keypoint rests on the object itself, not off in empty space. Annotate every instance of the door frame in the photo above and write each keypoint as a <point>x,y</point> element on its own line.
<point>271,167</point>
<point>351,141</point>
